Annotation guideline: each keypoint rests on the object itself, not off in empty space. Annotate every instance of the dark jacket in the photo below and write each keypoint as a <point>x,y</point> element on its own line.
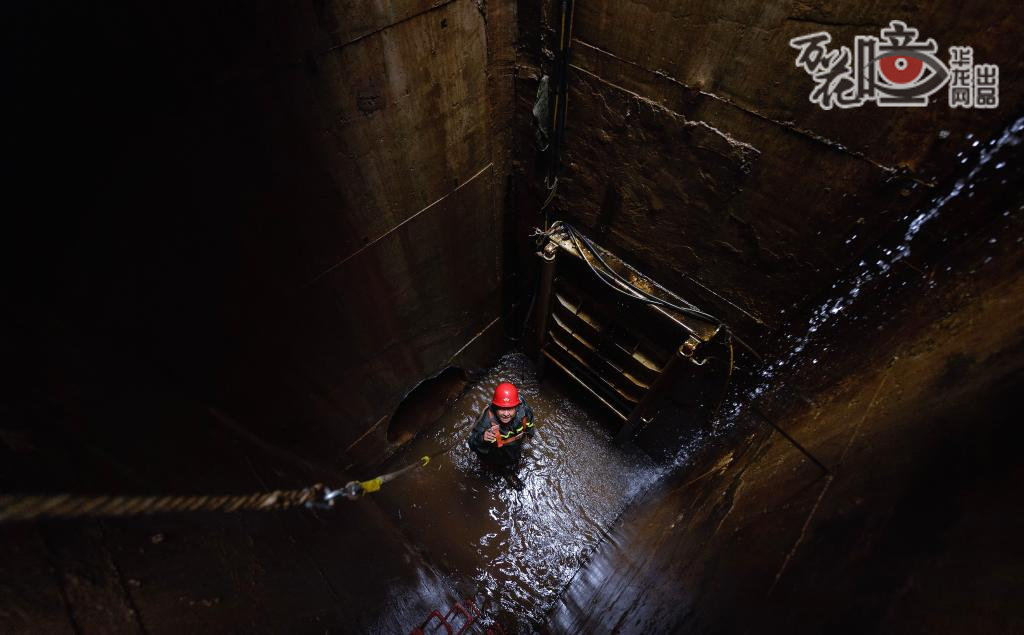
<point>513,435</point>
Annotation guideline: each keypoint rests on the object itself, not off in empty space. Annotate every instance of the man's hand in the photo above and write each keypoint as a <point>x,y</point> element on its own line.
<point>490,434</point>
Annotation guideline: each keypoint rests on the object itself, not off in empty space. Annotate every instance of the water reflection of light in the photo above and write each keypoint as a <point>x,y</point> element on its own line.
<point>866,272</point>
<point>523,547</point>
<point>982,155</point>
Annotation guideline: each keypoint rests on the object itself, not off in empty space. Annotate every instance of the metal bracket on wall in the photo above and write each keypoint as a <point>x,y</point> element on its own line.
<point>627,354</point>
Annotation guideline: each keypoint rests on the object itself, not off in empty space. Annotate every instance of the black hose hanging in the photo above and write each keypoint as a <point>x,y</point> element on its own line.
<point>618,283</point>
<point>561,98</point>
<point>609,276</point>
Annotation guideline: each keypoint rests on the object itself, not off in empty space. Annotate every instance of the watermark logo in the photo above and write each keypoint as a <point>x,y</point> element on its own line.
<point>896,69</point>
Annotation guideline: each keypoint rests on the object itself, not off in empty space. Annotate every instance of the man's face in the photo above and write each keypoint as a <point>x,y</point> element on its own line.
<point>505,414</point>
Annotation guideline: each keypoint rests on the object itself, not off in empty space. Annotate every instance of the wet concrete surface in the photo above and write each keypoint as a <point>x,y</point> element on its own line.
<point>279,203</point>
<point>916,529</point>
<point>513,551</point>
<point>692,147</point>
<point>95,421</point>
<point>905,382</point>
<point>257,220</point>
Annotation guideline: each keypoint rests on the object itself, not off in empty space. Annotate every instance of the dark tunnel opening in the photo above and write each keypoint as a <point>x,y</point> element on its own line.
<point>425,405</point>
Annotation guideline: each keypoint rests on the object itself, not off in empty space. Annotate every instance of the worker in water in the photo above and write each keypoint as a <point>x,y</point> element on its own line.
<point>498,435</point>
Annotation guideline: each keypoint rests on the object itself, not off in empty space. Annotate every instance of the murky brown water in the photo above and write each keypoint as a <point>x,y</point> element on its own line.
<point>514,552</point>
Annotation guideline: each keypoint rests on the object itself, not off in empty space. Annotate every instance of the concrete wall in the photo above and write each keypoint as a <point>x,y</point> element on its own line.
<point>911,404</point>
<point>692,147</point>
<point>240,233</point>
<point>693,151</point>
<point>291,210</point>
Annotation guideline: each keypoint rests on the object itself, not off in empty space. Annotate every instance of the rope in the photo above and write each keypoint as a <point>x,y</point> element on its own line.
<point>354,490</point>
<point>14,508</point>
<point>66,506</point>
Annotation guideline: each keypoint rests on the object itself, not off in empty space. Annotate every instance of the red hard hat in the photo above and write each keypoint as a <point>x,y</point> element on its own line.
<point>506,396</point>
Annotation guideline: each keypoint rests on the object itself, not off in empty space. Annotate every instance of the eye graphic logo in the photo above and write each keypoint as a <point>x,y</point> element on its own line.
<point>901,69</point>
<point>896,69</point>
<point>906,77</point>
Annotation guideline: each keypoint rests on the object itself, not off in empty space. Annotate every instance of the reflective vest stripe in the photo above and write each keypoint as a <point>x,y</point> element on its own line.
<point>502,439</point>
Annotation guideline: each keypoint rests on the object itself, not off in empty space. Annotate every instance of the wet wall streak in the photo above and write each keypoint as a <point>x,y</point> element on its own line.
<point>904,384</point>
<point>728,184</point>
<point>976,212</point>
<point>694,152</point>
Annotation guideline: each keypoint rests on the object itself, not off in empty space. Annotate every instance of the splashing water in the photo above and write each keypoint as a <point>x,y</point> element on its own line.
<point>868,271</point>
<point>1010,136</point>
<point>515,551</point>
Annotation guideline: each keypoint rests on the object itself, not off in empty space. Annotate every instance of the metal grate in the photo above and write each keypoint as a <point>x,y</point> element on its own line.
<point>627,353</point>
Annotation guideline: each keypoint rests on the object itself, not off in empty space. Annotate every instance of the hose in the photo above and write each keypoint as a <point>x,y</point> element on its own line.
<point>609,276</point>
